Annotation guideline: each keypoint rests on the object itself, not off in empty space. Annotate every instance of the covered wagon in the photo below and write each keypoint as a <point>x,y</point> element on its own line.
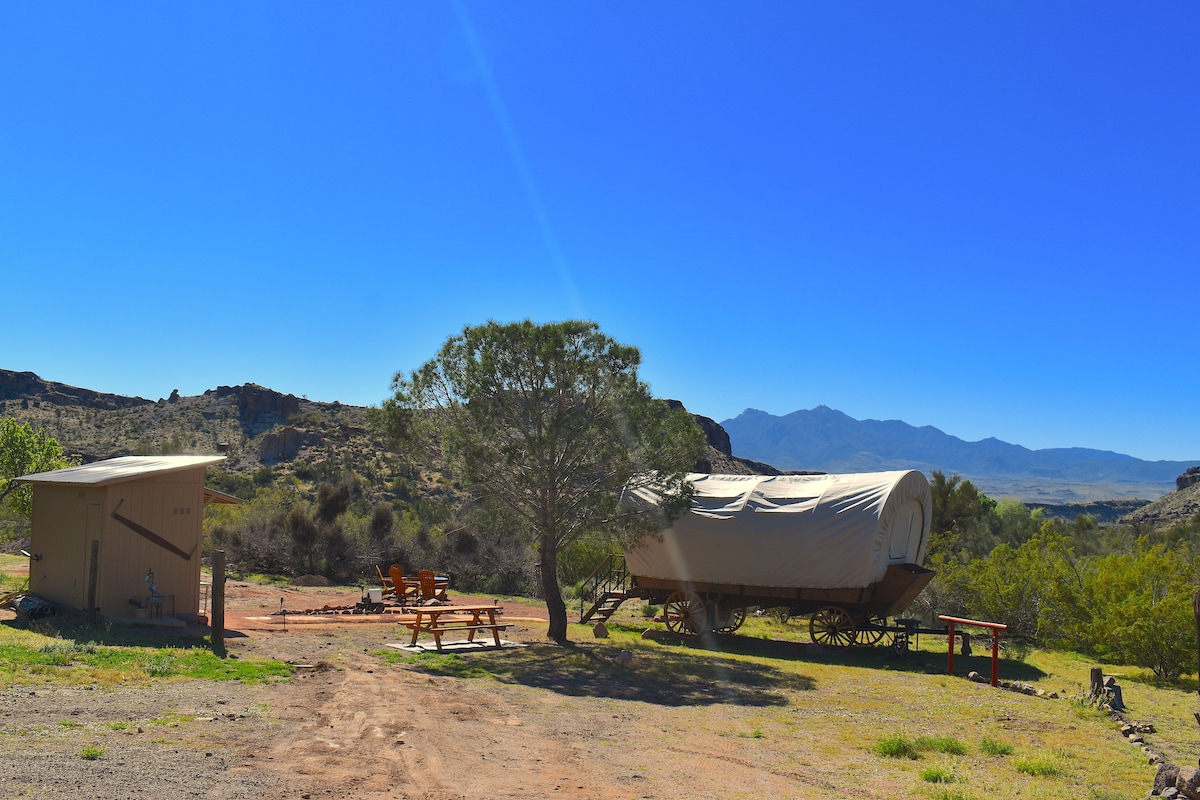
<point>846,549</point>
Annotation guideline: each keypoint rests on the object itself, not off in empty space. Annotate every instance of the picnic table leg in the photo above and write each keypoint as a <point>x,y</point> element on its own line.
<point>495,631</point>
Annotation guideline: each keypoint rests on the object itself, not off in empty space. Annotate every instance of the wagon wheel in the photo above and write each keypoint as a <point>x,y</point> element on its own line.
<point>736,618</point>
<point>684,613</point>
<point>832,627</point>
<point>875,631</point>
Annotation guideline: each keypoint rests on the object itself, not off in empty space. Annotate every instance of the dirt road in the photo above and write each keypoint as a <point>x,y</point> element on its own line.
<point>354,725</point>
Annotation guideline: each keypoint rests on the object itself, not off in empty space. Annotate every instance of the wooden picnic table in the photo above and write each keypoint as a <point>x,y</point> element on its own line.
<point>437,620</point>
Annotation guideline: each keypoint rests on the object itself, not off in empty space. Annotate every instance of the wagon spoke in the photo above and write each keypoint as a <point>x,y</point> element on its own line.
<point>684,613</point>
<point>874,631</point>
<point>832,627</point>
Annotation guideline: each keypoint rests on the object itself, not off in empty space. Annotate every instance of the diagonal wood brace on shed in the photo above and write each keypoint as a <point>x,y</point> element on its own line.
<point>150,535</point>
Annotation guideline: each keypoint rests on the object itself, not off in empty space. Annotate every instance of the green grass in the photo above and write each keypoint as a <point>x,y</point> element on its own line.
<point>900,746</point>
<point>897,746</point>
<point>1038,767</point>
<point>937,775</point>
<point>994,747</point>
<point>941,744</point>
<point>28,657</point>
<point>91,752</point>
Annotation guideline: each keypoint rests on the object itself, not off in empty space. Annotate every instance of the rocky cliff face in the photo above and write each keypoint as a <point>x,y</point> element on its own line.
<point>1189,478</point>
<point>29,388</point>
<point>718,454</point>
<point>259,408</point>
<point>1180,505</point>
<point>284,444</point>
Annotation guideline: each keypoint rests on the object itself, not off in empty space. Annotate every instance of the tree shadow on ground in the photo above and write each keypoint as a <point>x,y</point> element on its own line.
<point>666,677</point>
<point>882,658</point>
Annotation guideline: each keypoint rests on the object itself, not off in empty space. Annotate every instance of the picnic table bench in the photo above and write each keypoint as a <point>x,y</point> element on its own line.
<point>437,620</point>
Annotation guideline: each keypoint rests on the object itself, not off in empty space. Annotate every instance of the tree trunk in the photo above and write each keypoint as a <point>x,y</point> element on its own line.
<point>550,590</point>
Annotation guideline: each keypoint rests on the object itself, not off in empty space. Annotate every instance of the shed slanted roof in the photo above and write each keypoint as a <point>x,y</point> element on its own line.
<point>214,496</point>
<point>116,470</point>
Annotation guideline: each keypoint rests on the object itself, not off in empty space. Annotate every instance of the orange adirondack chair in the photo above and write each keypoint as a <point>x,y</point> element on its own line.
<point>389,588</point>
<point>403,590</point>
<point>429,590</point>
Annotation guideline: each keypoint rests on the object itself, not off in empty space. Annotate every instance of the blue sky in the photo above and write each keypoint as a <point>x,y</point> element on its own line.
<point>978,216</point>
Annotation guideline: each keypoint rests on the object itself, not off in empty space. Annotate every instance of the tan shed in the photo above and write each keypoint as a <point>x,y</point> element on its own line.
<point>141,515</point>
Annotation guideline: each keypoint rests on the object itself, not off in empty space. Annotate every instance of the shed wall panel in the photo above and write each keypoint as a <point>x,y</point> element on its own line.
<point>169,508</point>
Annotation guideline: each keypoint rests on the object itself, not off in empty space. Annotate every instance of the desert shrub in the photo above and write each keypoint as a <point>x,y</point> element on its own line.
<point>383,520</point>
<point>60,652</point>
<point>1143,608</point>
<point>580,558</point>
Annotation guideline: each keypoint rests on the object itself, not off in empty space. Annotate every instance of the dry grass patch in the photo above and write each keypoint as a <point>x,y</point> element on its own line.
<point>826,716</point>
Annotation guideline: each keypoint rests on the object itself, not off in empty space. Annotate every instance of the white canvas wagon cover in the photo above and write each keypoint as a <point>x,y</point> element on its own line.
<point>804,531</point>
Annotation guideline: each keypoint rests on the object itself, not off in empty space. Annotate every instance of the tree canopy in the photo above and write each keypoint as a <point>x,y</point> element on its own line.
<point>549,423</point>
<point>24,451</point>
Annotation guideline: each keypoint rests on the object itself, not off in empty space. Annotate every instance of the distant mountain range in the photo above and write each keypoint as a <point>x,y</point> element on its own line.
<point>257,427</point>
<point>828,440</point>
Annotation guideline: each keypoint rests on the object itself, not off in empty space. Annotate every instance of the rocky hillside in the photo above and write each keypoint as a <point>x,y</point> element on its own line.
<point>1178,506</point>
<point>268,437</point>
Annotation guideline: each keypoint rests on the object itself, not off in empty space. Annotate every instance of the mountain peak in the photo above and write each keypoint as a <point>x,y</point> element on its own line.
<point>829,440</point>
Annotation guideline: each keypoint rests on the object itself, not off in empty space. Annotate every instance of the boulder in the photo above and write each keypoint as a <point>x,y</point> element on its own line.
<point>283,444</point>
<point>1188,782</point>
<point>600,630</point>
<point>1165,777</point>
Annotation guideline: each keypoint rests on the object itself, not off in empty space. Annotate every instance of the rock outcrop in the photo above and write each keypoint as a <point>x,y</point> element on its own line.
<point>28,386</point>
<point>1189,478</point>
<point>284,444</point>
<point>1179,506</point>
<point>259,408</point>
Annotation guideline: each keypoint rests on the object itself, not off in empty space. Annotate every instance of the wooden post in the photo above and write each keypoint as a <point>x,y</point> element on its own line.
<point>995,656</point>
<point>218,602</point>
<point>1096,682</point>
<point>950,652</point>
<point>93,574</point>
